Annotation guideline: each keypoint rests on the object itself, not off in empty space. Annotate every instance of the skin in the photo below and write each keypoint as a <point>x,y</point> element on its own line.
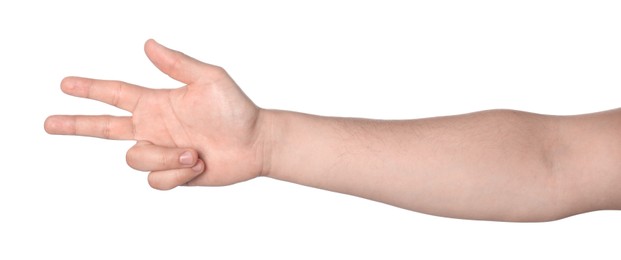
<point>490,165</point>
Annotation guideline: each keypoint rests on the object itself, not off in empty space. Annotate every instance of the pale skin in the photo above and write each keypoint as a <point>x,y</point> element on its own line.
<point>490,165</point>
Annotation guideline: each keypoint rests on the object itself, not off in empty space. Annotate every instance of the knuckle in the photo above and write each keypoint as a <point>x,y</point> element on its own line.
<point>117,93</point>
<point>218,69</point>
<point>164,160</point>
<point>218,72</point>
<point>213,73</point>
<point>107,128</point>
<point>176,66</point>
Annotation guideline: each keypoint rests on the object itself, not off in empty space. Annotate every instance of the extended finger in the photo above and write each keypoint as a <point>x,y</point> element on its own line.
<point>145,156</point>
<point>117,93</point>
<point>177,65</point>
<point>107,127</point>
<point>166,180</point>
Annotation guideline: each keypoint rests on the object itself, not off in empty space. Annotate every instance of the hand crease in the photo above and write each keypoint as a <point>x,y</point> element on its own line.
<point>106,129</point>
<point>174,112</point>
<point>117,94</point>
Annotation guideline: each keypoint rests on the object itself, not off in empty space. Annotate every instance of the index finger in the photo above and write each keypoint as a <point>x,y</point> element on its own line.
<point>117,93</point>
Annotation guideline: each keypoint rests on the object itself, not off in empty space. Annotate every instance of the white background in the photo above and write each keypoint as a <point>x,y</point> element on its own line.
<point>74,198</point>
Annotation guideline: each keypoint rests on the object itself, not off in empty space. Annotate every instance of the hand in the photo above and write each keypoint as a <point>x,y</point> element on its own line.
<point>210,117</point>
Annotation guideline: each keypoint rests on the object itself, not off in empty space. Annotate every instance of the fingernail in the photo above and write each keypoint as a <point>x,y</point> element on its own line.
<point>186,158</point>
<point>198,167</point>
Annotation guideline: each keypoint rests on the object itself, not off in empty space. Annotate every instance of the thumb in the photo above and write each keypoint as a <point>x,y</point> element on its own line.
<point>177,65</point>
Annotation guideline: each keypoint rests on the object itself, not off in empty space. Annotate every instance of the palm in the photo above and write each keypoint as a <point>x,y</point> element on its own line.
<point>210,115</point>
<point>219,124</point>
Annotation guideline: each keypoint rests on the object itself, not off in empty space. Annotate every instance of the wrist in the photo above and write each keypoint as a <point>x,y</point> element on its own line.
<point>268,132</point>
<point>280,131</point>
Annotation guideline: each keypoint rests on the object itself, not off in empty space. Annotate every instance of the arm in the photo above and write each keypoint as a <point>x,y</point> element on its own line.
<point>493,165</point>
<point>486,165</point>
<point>498,165</point>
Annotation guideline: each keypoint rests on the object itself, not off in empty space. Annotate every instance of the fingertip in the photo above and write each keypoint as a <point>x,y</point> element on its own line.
<point>149,44</point>
<point>156,55</point>
<point>199,167</point>
<point>74,86</point>
<point>65,84</point>
<point>54,125</point>
<point>152,47</point>
<point>49,124</point>
<point>149,41</point>
<point>188,157</point>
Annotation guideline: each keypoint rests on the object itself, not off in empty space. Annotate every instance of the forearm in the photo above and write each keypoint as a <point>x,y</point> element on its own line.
<point>589,160</point>
<point>493,165</point>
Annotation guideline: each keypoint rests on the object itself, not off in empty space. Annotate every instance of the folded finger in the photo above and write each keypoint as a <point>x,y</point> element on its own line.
<point>107,127</point>
<point>168,179</point>
<point>117,93</point>
<point>145,156</point>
